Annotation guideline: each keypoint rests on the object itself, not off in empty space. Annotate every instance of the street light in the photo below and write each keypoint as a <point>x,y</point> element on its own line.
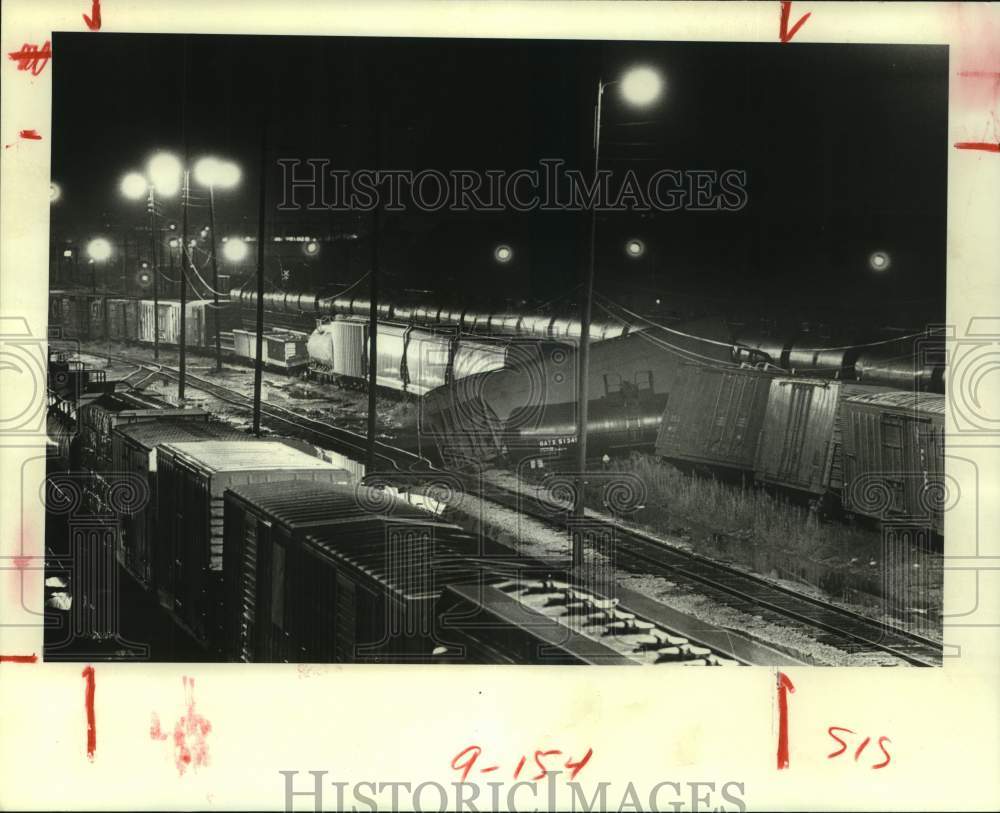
<point>640,87</point>
<point>635,249</point>
<point>133,186</point>
<point>55,192</point>
<point>503,254</point>
<point>164,171</point>
<point>879,261</point>
<point>311,248</point>
<point>212,172</point>
<point>234,249</point>
<point>98,250</point>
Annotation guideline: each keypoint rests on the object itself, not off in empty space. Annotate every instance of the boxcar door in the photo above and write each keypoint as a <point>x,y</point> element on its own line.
<point>896,461</point>
<point>924,459</point>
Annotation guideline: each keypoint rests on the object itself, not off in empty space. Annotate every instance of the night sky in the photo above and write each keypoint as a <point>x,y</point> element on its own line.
<point>844,148</point>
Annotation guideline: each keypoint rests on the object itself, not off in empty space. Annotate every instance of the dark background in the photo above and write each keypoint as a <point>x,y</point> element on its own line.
<point>844,147</point>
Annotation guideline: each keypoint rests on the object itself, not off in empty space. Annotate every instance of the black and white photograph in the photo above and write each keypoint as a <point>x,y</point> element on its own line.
<point>425,350</point>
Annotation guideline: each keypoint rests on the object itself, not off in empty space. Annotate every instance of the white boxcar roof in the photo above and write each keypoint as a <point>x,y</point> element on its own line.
<point>240,455</point>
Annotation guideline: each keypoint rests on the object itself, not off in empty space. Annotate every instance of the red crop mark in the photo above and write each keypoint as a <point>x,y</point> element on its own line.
<point>30,135</point>
<point>88,701</point>
<point>985,146</point>
<point>784,686</point>
<point>32,58</point>
<point>994,75</point>
<point>785,33</point>
<point>190,733</point>
<point>94,20</point>
<point>22,562</point>
<point>19,658</point>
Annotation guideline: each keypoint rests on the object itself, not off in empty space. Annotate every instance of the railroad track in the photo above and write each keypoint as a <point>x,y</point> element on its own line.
<point>842,628</point>
<point>276,417</point>
<point>639,552</point>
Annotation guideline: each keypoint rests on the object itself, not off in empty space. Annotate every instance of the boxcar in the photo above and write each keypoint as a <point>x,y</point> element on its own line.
<point>714,417</point>
<point>97,318</point>
<point>199,321</point>
<point>191,480</point>
<point>894,457</point>
<point>96,419</point>
<point>283,349</point>
<point>123,319</point>
<point>82,316</point>
<point>314,575</point>
<point>800,444</point>
<point>133,452</point>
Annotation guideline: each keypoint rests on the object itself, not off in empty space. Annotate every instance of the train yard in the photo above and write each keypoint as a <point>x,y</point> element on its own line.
<point>660,601</point>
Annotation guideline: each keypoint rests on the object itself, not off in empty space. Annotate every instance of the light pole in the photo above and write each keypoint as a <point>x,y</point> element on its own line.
<point>98,250</point>
<point>67,255</point>
<point>640,87</point>
<point>213,173</point>
<point>162,174</point>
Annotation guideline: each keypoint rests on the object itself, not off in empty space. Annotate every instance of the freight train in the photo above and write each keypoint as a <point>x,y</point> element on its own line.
<point>512,398</point>
<point>411,359</point>
<point>425,347</point>
<point>876,451</point>
<point>260,551</point>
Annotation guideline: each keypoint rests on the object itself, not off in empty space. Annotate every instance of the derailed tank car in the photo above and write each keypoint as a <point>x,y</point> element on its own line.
<point>528,409</point>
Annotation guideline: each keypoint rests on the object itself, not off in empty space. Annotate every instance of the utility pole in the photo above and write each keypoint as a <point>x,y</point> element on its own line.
<point>185,259</point>
<point>373,290</point>
<point>151,208</point>
<point>215,275</point>
<point>124,260</point>
<point>583,374</point>
<point>261,212</point>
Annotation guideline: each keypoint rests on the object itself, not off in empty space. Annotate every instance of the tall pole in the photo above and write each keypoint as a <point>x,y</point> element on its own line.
<point>583,374</point>
<point>258,366</point>
<point>373,297</point>
<point>151,208</point>
<point>185,259</point>
<point>93,276</point>
<point>124,261</point>
<point>215,275</point>
<point>171,252</point>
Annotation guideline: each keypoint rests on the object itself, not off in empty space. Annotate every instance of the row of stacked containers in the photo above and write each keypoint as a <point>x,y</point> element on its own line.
<point>879,450</point>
